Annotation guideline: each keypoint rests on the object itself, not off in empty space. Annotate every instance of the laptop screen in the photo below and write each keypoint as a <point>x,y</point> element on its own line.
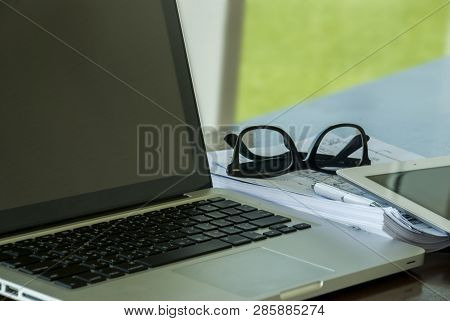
<point>97,109</point>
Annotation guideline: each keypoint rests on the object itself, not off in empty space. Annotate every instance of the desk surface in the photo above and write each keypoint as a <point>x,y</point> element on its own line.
<point>410,109</point>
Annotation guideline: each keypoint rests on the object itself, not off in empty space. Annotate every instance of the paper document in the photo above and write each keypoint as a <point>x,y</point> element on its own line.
<point>347,214</point>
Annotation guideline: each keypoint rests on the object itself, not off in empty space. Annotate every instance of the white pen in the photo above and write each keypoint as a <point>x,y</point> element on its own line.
<point>336,194</point>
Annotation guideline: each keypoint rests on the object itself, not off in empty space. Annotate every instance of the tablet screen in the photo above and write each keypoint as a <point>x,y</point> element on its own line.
<point>429,188</point>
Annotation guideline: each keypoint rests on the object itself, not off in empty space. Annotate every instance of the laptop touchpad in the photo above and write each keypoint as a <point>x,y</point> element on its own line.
<point>255,272</point>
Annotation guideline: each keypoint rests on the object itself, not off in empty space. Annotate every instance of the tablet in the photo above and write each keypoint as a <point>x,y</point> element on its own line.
<point>421,187</point>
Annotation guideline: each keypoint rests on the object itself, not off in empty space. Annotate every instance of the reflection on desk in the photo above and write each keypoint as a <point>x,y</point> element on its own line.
<point>429,282</point>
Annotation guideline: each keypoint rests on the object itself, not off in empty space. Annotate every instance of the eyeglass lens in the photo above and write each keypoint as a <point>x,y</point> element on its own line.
<point>339,148</point>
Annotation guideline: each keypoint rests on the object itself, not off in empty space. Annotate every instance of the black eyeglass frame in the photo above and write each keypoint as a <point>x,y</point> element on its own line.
<point>299,160</point>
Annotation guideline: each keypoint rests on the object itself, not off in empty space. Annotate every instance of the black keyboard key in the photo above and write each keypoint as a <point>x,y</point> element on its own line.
<point>132,256</point>
<point>178,215</point>
<point>254,236</point>
<point>237,219</point>
<point>226,204</point>
<point>207,208</point>
<point>19,261</point>
<point>105,252</point>
<point>272,233</point>
<point>129,267</point>
<point>231,211</point>
<point>17,252</point>
<point>71,283</point>
<point>256,215</point>
<point>247,227</point>
<point>158,239</point>
<point>164,247</point>
<point>95,265</point>
<point>67,261</point>
<point>100,226</point>
<point>63,272</point>
<point>176,235</point>
<point>206,227</point>
<point>202,202</point>
<point>191,230</point>
<point>186,222</point>
<point>43,256</point>
<point>92,256</point>
<point>5,247</point>
<point>199,238</point>
<point>192,212</point>
<point>271,220</point>
<point>216,199</point>
<point>148,250</point>
<point>288,229</point>
<point>246,208</point>
<point>230,230</point>
<point>161,219</point>
<point>277,226</point>
<point>113,259</point>
<point>181,243</point>
<point>185,206</point>
<point>109,273</point>
<point>185,253</point>
<point>25,243</point>
<point>40,267</point>
<point>302,226</point>
<point>61,252</point>
<point>216,215</point>
<point>90,277</point>
<point>4,257</point>
<point>215,234</point>
<point>221,223</point>
<point>236,240</point>
<point>201,218</point>
<point>170,227</point>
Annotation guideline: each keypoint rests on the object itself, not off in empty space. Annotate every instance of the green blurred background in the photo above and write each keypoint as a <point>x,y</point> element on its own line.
<point>293,47</point>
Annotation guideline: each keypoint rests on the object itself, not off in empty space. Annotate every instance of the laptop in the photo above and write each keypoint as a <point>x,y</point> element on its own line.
<point>106,192</point>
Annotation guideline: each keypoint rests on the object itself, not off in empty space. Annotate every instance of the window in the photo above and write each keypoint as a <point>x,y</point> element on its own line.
<point>291,48</point>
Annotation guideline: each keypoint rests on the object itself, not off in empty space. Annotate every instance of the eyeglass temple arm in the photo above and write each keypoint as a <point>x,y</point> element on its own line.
<point>351,147</point>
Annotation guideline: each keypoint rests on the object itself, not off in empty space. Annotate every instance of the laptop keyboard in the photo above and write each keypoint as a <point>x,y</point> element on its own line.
<point>107,250</point>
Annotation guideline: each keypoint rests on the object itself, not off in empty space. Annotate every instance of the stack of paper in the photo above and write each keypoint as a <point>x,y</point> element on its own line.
<point>353,215</point>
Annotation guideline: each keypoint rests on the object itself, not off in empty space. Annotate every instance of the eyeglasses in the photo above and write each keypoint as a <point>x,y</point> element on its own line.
<point>272,152</point>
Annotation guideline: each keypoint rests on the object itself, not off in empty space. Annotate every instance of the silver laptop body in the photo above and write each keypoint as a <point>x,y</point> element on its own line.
<point>299,265</point>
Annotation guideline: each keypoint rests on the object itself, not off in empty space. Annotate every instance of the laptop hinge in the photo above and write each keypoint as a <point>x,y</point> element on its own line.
<point>91,216</point>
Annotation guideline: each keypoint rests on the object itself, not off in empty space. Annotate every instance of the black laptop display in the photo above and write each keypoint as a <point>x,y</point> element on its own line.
<point>77,81</point>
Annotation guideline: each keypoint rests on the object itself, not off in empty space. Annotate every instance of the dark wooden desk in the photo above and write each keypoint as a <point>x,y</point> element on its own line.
<point>428,282</point>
